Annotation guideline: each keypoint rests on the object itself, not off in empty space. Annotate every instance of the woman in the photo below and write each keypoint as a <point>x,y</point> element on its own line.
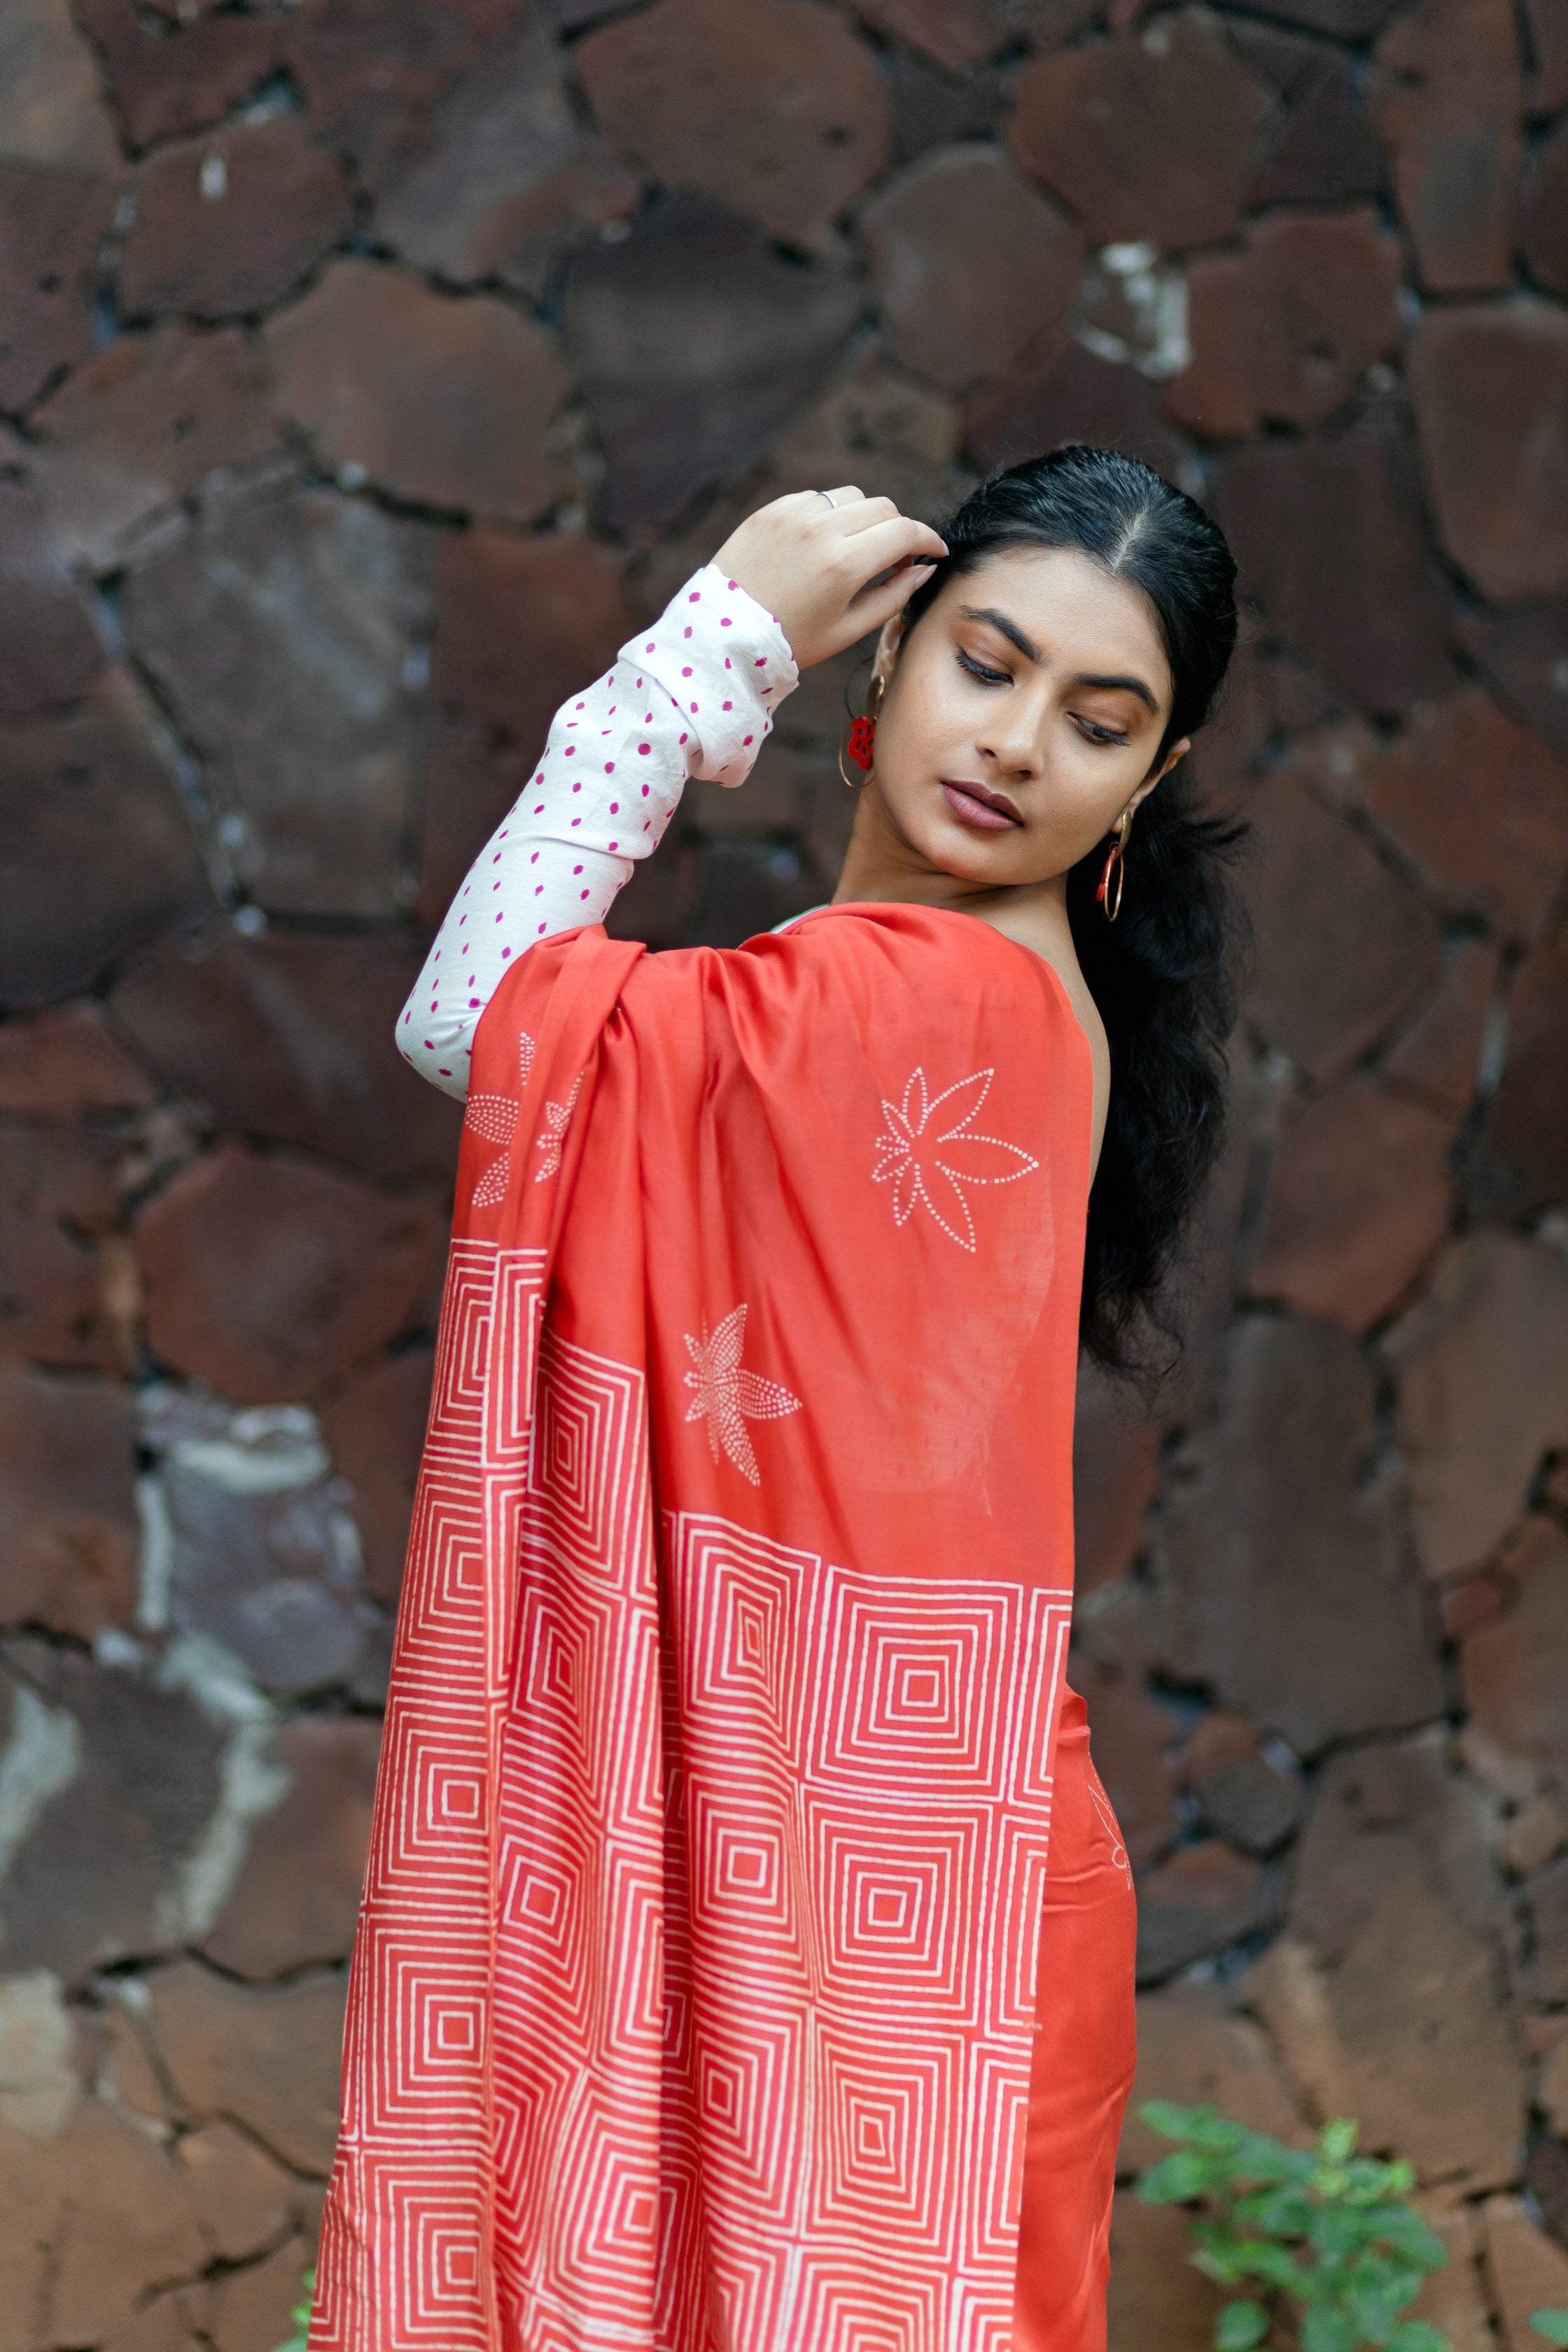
<point>747,1957</point>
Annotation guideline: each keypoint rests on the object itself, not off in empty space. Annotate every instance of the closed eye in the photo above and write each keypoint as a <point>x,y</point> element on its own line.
<point>1098,734</point>
<point>978,669</point>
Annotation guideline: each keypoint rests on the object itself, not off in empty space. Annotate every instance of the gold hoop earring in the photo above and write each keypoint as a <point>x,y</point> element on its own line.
<point>861,741</point>
<point>1115,863</point>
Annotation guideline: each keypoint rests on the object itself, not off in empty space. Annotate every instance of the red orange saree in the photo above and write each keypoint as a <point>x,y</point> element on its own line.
<point>707,1990</point>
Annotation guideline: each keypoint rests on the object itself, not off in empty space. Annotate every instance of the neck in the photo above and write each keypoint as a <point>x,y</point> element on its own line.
<point>879,866</point>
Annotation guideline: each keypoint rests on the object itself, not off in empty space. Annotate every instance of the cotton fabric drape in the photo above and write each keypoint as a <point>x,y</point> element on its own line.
<point>705,1991</point>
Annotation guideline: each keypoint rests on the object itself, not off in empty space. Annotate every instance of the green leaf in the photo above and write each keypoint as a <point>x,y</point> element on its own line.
<point>1170,2121</point>
<point>1418,2336</point>
<point>1176,2179</point>
<point>1338,2139</point>
<point>1553,2325</point>
<point>1280,2212</point>
<point>1280,2268</point>
<point>1240,2326</point>
<point>1336,2232</point>
<point>1324,2329</point>
<point>300,2316</point>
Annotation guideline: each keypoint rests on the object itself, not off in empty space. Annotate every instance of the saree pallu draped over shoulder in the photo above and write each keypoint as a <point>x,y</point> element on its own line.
<point>700,1998</point>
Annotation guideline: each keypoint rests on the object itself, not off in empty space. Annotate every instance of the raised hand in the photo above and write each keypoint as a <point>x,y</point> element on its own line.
<point>829,573</point>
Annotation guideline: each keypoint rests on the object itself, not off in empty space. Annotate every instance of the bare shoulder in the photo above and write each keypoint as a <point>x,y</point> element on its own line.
<point>1048,934</point>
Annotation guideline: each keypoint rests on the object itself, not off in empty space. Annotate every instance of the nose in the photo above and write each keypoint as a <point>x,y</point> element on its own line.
<point>1014,741</point>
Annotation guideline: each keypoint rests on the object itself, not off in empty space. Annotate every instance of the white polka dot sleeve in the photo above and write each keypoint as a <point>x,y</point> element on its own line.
<point>694,696</point>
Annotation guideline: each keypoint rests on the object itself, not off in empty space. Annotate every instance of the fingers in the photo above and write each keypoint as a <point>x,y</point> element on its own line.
<point>878,605</point>
<point>895,540</point>
<point>883,603</point>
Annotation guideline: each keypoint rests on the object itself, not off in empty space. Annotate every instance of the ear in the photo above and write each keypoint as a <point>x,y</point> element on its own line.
<point>1156,775</point>
<point>887,645</point>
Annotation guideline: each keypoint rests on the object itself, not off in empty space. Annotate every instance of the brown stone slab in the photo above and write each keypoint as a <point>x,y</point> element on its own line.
<point>1345,950</point>
<point>1067,394</point>
<point>68,1528</point>
<point>519,623</point>
<point>51,109</point>
<point>141,424</point>
<point>1479,804</point>
<point>969,265</point>
<point>1438,1059</point>
<point>291,1037</point>
<point>694,343</point>
<point>50,649</point>
<point>779,111</point>
<point>1491,385</point>
<point>166,77</point>
<point>1524,1144</point>
<point>1543,212</point>
<point>1195,2049</point>
<point>1149,136</point>
<point>1250,1800</point>
<point>1524,655</point>
<point>58,1065</point>
<point>372,76</point>
<point>1447,105</point>
<point>1483,1393</point>
<point>265,2057</point>
<point>1199,1903</point>
<point>1511,1665</point>
<point>244,2200</point>
<point>229,223</point>
<point>1548,87</point>
<point>375,1430</point>
<point>1271,1543</point>
<point>1116,1475</point>
<point>508,180</point>
<point>1360,1195</point>
<point>1392,2010</point>
<point>958,33</point>
<point>445,402</point>
<point>1320,147</point>
<point>58,1200</point>
<point>267,1277</point>
<point>1333,537</point>
<point>288,637</point>
<point>296,1901</point>
<point>52,222</point>
<point>1528,2273</point>
<point>99,855</point>
<point>1281,332</point>
<point>96,2219</point>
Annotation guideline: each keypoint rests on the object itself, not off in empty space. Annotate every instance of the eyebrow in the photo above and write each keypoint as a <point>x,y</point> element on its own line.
<point>1031,652</point>
<point>1132,685</point>
<point>1009,629</point>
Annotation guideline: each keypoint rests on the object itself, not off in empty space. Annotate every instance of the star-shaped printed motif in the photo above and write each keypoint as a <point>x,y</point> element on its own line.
<point>494,1119</point>
<point>552,1137</point>
<point>929,1152</point>
<point>727,1397</point>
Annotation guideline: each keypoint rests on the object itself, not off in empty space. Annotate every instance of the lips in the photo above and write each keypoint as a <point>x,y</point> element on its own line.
<point>977,805</point>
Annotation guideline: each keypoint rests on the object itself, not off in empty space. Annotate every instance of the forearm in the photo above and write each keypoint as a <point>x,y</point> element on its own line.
<point>693,695</point>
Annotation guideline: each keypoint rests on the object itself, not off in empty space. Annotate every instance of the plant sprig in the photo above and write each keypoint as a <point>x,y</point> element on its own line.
<point>1325,2230</point>
<point>300,2316</point>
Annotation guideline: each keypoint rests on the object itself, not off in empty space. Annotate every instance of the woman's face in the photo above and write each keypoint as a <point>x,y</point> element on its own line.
<point>1022,718</point>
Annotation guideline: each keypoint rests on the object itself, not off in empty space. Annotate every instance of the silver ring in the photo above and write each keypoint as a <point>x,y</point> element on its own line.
<point>830,496</point>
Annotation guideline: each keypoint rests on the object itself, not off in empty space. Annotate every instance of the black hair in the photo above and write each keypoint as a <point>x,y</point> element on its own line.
<point>1164,974</point>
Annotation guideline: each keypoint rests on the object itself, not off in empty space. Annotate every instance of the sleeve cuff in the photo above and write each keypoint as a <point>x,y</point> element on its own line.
<point>726,665</point>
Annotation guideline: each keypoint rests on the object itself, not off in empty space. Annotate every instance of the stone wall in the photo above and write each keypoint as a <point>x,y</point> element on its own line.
<point>368,368</point>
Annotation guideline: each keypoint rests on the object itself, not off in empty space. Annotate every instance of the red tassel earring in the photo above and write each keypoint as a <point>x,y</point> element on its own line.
<point>861,743</point>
